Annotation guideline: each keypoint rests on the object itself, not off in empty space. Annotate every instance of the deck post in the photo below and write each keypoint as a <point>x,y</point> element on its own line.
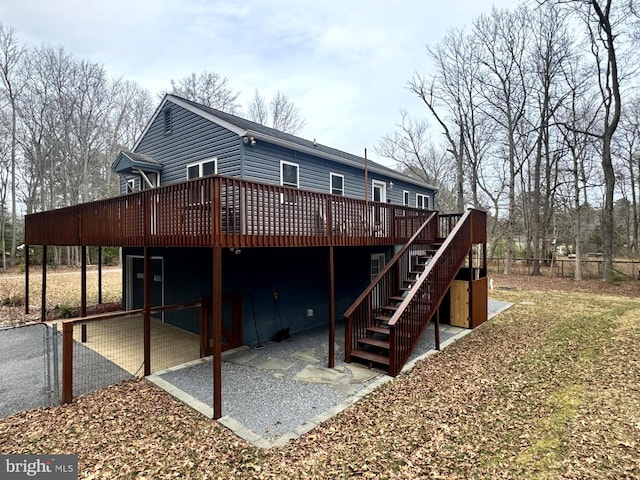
<point>332,310</point>
<point>43,303</point>
<point>67,361</point>
<point>436,329</point>
<point>83,281</point>
<point>217,332</point>
<point>26,279</point>
<point>147,312</point>
<point>99,275</point>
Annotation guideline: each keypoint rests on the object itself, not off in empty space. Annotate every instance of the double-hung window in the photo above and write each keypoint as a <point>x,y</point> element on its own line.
<point>202,168</point>
<point>405,198</point>
<point>200,193</point>
<point>422,201</point>
<point>289,177</point>
<point>336,183</point>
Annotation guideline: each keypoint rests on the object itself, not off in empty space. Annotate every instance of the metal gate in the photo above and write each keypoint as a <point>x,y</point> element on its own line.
<point>29,368</point>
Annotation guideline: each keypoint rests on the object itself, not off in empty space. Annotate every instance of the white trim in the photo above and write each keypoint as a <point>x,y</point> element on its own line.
<point>130,185</point>
<point>284,162</point>
<point>425,201</point>
<point>405,195</point>
<point>331,175</point>
<point>200,163</point>
<point>383,189</point>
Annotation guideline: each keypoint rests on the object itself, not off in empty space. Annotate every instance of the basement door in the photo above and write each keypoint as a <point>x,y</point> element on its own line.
<point>135,282</point>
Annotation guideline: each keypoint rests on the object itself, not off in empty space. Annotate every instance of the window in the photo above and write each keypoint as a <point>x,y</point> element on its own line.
<point>405,198</point>
<point>336,184</point>
<point>167,121</point>
<point>202,168</point>
<point>289,177</point>
<point>422,201</point>
<point>131,185</point>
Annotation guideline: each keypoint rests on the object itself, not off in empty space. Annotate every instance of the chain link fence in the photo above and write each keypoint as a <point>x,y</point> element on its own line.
<point>30,365</point>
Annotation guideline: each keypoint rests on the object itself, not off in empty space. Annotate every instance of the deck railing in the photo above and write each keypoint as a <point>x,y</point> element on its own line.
<point>228,212</point>
<point>358,316</point>
<point>416,310</point>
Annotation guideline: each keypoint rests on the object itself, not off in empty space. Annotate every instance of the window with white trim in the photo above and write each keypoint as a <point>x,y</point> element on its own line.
<point>405,198</point>
<point>422,201</point>
<point>202,168</point>
<point>336,183</point>
<point>131,185</point>
<point>289,177</point>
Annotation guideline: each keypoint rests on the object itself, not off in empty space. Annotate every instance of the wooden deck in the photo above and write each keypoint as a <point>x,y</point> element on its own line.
<point>220,211</point>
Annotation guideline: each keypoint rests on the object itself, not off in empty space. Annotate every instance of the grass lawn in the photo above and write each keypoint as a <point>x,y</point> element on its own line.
<point>549,389</point>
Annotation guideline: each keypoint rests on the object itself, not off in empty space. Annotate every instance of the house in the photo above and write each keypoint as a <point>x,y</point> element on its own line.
<point>273,234</point>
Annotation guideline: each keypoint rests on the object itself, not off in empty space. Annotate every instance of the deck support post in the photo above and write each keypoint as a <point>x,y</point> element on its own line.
<point>26,279</point>
<point>43,303</point>
<point>217,332</point>
<point>83,281</point>
<point>67,362</point>
<point>437,329</point>
<point>147,312</point>
<point>332,309</point>
<point>99,275</point>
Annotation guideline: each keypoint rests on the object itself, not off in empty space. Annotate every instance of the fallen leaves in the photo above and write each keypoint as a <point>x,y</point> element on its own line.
<point>549,390</point>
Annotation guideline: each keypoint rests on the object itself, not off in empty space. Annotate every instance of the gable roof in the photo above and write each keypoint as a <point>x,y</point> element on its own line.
<point>243,127</point>
<point>127,162</point>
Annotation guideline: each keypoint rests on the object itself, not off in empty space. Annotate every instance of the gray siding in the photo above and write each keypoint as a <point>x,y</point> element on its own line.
<point>192,138</point>
<point>262,164</point>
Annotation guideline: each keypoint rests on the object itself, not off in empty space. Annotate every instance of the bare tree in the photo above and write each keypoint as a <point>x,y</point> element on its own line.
<point>280,113</point>
<point>209,89</point>
<point>411,147</point>
<point>11,55</point>
<point>502,38</point>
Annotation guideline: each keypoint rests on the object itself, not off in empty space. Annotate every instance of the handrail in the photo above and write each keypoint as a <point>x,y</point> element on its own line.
<point>225,211</point>
<point>425,275</point>
<point>391,264</point>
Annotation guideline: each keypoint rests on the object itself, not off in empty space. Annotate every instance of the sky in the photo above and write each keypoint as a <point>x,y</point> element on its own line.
<point>344,63</point>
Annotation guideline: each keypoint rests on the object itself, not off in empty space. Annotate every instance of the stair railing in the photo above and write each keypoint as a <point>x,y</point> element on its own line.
<point>416,310</point>
<point>386,284</point>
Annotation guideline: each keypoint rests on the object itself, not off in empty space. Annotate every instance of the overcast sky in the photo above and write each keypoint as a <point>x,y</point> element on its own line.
<point>345,63</point>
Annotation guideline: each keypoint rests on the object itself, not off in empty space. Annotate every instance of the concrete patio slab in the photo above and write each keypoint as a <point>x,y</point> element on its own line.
<point>240,357</point>
<point>274,364</point>
<point>312,374</point>
<point>361,374</point>
<point>307,355</point>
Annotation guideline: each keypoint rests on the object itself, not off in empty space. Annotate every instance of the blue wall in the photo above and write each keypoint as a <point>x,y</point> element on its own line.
<point>299,275</point>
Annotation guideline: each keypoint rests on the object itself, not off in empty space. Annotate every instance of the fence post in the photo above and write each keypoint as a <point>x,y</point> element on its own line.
<point>67,361</point>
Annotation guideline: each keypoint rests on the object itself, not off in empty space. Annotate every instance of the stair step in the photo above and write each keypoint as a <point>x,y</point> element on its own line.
<point>391,308</point>
<point>380,330</point>
<point>371,357</point>
<point>374,342</point>
<point>382,318</point>
<point>396,299</point>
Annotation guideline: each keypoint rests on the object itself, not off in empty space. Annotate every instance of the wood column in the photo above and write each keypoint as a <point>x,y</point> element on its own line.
<point>43,303</point>
<point>26,279</point>
<point>217,332</point>
<point>83,281</point>
<point>147,312</point>
<point>67,362</point>
<point>332,309</point>
<point>99,275</point>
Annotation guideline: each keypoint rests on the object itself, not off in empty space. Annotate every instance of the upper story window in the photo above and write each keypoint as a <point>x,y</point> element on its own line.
<point>336,183</point>
<point>167,121</point>
<point>422,201</point>
<point>405,198</point>
<point>289,177</point>
<point>202,168</point>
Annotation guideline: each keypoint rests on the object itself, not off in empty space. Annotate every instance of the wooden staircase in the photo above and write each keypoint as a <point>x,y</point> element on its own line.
<point>374,347</point>
<point>385,323</point>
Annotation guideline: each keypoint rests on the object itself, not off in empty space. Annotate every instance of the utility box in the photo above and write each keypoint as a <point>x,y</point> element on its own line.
<point>459,301</point>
